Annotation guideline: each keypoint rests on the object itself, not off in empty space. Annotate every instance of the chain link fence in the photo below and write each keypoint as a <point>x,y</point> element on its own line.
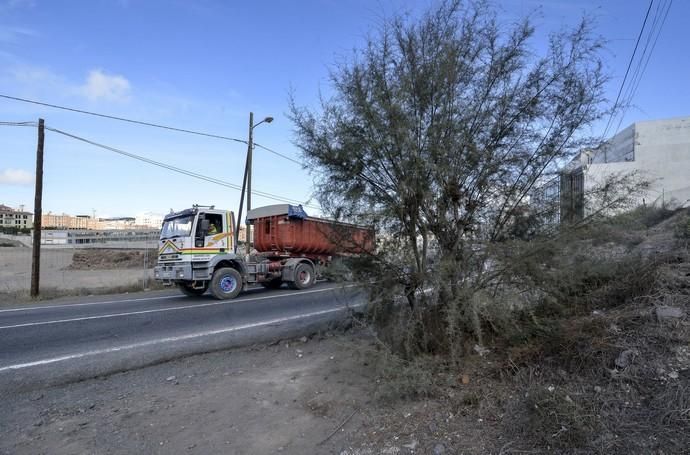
<point>79,262</point>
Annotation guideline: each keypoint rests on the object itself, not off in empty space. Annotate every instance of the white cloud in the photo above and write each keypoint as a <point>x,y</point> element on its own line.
<point>16,177</point>
<point>31,75</point>
<point>10,34</point>
<point>102,86</point>
<point>7,5</point>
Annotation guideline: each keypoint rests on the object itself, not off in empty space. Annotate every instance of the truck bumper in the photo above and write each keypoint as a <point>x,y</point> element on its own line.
<point>173,272</point>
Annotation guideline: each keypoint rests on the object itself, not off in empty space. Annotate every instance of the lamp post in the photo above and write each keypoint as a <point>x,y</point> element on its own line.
<point>248,171</point>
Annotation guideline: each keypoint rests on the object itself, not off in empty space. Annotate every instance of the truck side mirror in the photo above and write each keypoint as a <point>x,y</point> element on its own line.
<point>204,227</point>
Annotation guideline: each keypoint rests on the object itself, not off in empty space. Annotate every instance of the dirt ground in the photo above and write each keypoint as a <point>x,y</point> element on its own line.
<point>303,396</point>
<point>73,270</point>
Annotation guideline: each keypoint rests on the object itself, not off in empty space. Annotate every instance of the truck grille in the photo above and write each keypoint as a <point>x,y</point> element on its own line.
<point>169,257</point>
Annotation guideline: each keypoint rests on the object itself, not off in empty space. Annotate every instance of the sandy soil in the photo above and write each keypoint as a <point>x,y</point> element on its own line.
<point>283,398</point>
<point>307,396</point>
<point>56,272</point>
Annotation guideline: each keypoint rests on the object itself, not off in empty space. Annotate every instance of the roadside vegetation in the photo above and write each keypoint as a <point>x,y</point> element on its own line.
<point>566,338</point>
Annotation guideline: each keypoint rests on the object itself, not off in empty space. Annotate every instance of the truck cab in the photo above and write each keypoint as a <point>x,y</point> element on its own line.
<point>193,245</point>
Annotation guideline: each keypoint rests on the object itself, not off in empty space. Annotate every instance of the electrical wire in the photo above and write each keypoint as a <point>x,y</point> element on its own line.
<point>177,169</point>
<point>279,154</point>
<point>642,67</point>
<point>625,77</point>
<point>18,124</point>
<point>153,125</point>
<point>122,119</point>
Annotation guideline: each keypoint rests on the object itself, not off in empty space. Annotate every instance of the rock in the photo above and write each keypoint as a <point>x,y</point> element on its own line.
<point>597,389</point>
<point>439,449</point>
<point>613,328</point>
<point>673,375</point>
<point>411,446</point>
<point>482,351</point>
<point>625,358</point>
<point>667,313</point>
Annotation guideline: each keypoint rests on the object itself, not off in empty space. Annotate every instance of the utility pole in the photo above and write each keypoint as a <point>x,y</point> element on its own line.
<point>247,182</point>
<point>239,215</point>
<point>250,146</point>
<point>38,212</point>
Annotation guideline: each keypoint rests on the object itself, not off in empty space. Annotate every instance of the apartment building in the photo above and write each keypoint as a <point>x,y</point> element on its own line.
<point>15,218</point>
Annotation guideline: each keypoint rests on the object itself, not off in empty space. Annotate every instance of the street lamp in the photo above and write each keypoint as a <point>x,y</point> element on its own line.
<point>248,177</point>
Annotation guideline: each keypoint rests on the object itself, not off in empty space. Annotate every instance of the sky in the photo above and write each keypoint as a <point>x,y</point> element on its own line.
<point>205,64</point>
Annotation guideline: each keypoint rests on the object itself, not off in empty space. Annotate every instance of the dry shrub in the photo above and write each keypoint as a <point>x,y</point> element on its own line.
<point>550,417</point>
<point>420,377</point>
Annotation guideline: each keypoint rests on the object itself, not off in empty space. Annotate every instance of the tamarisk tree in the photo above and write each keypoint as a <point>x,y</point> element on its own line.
<point>437,131</point>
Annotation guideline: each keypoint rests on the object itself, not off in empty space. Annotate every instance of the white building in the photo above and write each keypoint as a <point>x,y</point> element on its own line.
<point>149,219</point>
<point>659,150</point>
<point>15,218</point>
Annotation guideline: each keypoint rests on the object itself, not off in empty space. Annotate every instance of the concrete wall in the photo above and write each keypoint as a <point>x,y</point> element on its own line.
<point>658,150</point>
<point>663,150</point>
<point>619,148</point>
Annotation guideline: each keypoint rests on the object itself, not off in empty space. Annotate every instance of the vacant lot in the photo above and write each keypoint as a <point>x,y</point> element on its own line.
<point>93,270</point>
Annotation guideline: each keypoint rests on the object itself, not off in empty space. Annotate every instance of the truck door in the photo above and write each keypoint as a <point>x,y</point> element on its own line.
<point>217,234</point>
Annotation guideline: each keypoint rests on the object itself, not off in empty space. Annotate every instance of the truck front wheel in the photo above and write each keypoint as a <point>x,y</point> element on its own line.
<point>304,277</point>
<point>226,283</point>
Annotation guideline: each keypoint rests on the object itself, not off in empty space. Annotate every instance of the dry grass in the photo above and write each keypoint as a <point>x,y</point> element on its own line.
<point>579,361</point>
<point>54,293</point>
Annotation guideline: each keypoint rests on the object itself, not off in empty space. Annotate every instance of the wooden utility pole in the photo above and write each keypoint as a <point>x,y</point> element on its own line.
<point>38,211</point>
<point>250,146</point>
<point>239,216</point>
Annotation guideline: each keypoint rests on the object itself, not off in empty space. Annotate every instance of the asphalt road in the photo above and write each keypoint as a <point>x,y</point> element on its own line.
<point>81,338</point>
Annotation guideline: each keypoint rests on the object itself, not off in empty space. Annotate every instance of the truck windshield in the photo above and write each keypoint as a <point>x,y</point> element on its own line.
<point>177,227</point>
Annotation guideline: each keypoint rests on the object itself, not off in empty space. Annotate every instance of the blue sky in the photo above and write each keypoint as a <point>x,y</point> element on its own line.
<point>204,65</point>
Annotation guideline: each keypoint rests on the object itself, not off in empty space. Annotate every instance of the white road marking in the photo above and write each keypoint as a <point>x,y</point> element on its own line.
<point>89,303</point>
<point>172,339</point>
<point>161,310</point>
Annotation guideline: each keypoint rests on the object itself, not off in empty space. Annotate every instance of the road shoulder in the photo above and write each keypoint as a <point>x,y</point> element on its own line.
<point>287,397</point>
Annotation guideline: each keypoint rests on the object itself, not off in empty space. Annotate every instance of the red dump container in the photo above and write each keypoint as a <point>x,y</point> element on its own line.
<point>285,228</point>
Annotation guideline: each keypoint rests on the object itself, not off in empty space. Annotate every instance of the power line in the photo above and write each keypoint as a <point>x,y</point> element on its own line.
<point>153,125</point>
<point>642,67</point>
<point>176,169</point>
<point>122,119</point>
<point>18,124</point>
<point>279,154</point>
<point>632,57</point>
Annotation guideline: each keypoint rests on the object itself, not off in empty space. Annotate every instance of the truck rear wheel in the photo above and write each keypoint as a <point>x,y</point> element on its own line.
<point>187,289</point>
<point>226,283</point>
<point>304,277</point>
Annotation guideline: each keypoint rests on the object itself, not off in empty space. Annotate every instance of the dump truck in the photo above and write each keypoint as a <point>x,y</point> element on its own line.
<point>198,250</point>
